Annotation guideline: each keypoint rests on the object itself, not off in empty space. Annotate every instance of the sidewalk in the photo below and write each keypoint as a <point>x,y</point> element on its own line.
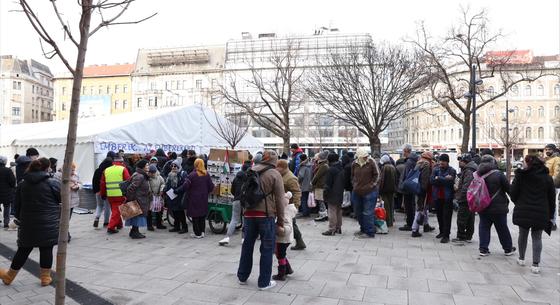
<point>166,268</point>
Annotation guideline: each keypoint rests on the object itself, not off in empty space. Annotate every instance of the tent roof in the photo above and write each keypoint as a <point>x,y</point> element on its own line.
<point>171,126</point>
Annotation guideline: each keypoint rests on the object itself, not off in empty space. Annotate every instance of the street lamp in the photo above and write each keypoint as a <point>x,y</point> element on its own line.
<point>472,94</point>
<point>508,144</point>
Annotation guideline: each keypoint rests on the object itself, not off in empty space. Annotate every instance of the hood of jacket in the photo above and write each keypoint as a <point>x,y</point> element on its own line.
<point>472,165</point>
<point>21,160</point>
<point>541,170</point>
<point>336,164</point>
<point>485,167</point>
<point>36,177</point>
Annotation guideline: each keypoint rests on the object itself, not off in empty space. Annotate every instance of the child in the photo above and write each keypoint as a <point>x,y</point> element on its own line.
<point>284,237</point>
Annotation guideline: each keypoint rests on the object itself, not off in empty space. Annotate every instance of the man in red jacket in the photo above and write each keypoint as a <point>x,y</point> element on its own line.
<point>110,180</point>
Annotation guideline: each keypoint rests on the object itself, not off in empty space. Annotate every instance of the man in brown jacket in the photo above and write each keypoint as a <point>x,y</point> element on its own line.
<point>291,184</point>
<point>365,176</point>
<point>262,221</point>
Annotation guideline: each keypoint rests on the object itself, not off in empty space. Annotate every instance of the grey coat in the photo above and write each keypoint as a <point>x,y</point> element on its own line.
<point>304,176</point>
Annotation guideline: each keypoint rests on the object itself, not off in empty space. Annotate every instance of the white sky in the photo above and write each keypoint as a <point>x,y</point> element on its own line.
<point>528,24</point>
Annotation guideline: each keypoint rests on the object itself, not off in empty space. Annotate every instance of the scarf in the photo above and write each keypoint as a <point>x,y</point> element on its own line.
<point>200,168</point>
<point>173,179</point>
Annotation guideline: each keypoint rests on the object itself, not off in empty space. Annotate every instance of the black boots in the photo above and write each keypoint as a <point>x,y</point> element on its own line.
<point>135,234</point>
<point>289,269</point>
<point>281,276</point>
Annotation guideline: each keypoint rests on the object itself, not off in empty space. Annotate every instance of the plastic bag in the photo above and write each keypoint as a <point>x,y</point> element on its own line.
<point>381,226</point>
<point>311,200</point>
<point>346,199</point>
<point>157,204</point>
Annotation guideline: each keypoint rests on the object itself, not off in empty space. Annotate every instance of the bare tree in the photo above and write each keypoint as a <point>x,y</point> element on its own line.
<point>367,86</point>
<point>232,127</point>
<point>272,91</point>
<point>463,51</point>
<point>102,9</point>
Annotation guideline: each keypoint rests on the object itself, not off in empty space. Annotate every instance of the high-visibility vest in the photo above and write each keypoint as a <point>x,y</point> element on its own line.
<point>113,177</point>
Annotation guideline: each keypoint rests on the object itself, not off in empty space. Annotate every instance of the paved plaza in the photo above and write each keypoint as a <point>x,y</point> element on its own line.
<point>166,268</point>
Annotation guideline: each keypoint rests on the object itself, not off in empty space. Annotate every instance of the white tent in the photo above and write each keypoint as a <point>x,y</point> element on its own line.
<point>172,129</point>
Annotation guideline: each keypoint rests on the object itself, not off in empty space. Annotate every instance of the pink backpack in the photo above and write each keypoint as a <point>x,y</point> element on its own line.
<point>478,197</point>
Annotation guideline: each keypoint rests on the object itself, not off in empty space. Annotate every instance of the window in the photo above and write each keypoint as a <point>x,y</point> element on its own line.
<point>100,90</point>
<point>198,84</point>
<point>184,84</point>
<point>528,90</point>
<point>540,90</point>
<point>491,133</point>
<point>541,112</point>
<point>108,89</point>
<point>91,90</point>
<point>214,83</point>
<point>460,133</point>
<point>516,132</point>
<point>33,88</point>
<point>17,85</point>
<point>557,132</point>
<point>124,104</point>
<point>116,89</point>
<point>83,90</point>
<point>155,101</point>
<point>451,134</point>
<point>117,104</point>
<point>150,101</point>
<point>63,106</point>
<point>557,89</point>
<point>515,111</point>
<point>491,91</point>
<point>125,88</point>
<point>515,90</point>
<point>63,90</point>
<point>153,86</point>
<point>528,133</point>
<point>528,111</point>
<point>139,102</point>
<point>541,133</point>
<point>16,111</point>
<point>445,135</point>
<point>557,112</point>
<point>172,85</point>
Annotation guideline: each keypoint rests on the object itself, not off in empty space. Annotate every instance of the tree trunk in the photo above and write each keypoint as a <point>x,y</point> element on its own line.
<point>466,134</point>
<point>375,145</point>
<point>286,143</point>
<point>60,292</point>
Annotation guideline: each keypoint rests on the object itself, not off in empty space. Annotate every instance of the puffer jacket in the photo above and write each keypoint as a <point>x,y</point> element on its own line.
<point>347,164</point>
<point>37,207</point>
<point>157,185</point>
<point>139,190</point>
<point>7,185</point>
<point>498,186</point>
<point>466,177</point>
<point>22,163</point>
<point>75,185</point>
<point>425,168</point>
<point>334,185</point>
<point>290,212</point>
<point>533,194</point>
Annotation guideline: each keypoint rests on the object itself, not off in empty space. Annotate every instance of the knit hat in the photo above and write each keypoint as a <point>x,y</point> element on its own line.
<point>3,160</point>
<point>294,146</point>
<point>465,158</point>
<point>550,146</point>
<point>324,155</point>
<point>385,159</point>
<point>141,164</point>
<point>270,157</point>
<point>487,159</point>
<point>112,155</point>
<point>444,157</point>
<point>176,163</point>
<point>258,158</point>
<point>153,159</point>
<point>362,153</point>
<point>31,152</point>
<point>153,169</point>
<point>333,157</point>
<point>428,155</point>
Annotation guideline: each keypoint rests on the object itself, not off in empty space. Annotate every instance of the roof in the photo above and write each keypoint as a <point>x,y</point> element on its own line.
<point>108,70</point>
<point>195,59</point>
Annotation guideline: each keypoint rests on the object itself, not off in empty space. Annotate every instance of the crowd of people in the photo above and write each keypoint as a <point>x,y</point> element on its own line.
<point>288,189</point>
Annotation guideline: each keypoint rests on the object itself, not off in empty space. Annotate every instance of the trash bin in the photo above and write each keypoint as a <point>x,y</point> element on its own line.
<point>87,197</point>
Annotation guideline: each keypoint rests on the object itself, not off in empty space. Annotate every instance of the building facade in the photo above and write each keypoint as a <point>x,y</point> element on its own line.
<point>534,116</point>
<point>26,91</point>
<point>176,76</point>
<point>106,90</point>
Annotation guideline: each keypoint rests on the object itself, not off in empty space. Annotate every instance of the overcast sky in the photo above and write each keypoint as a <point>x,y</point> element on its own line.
<point>528,24</point>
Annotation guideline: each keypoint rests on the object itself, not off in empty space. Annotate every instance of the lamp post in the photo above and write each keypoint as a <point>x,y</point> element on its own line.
<point>508,144</point>
<point>472,94</point>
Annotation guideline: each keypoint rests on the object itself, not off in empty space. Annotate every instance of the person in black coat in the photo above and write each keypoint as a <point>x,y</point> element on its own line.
<point>161,158</point>
<point>533,194</point>
<point>334,193</point>
<point>22,163</point>
<point>37,205</point>
<point>347,160</point>
<point>102,204</point>
<point>496,213</point>
<point>7,188</point>
<point>174,180</point>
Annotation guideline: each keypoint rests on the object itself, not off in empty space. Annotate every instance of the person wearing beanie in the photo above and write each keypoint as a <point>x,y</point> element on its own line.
<point>113,155</point>
<point>260,221</point>
<point>334,194</point>
<point>424,199</point>
<point>365,181</point>
<point>257,158</point>
<point>32,153</point>
<point>22,163</point>
<point>53,162</point>
<point>443,181</point>
<point>157,185</point>
<point>465,218</point>
<point>388,187</point>
<point>174,180</point>
<point>139,190</point>
<point>552,162</point>
<point>7,189</point>
<point>109,189</point>
<point>167,167</point>
<point>318,184</point>
<point>102,205</point>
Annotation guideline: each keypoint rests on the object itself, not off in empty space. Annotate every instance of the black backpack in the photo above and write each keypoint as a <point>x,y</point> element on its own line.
<point>251,190</point>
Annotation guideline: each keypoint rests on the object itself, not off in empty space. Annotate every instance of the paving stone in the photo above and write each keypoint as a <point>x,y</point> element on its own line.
<point>423,298</point>
<point>368,280</point>
<point>465,276</point>
<point>386,296</point>
<point>205,293</point>
<point>455,288</point>
<point>410,284</point>
<point>469,300</point>
<point>308,300</point>
<point>502,292</point>
<point>336,290</point>
<point>262,297</point>
<point>538,295</point>
<point>349,302</point>
<point>331,276</point>
<point>309,288</point>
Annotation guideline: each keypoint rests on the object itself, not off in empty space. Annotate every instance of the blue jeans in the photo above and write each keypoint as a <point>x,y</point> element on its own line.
<point>266,229</point>
<point>102,206</point>
<point>235,218</point>
<point>304,207</point>
<point>500,222</point>
<point>364,210</point>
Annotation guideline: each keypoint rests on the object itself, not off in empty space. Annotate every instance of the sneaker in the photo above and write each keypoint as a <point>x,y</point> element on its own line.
<point>535,269</point>
<point>242,282</point>
<point>510,252</point>
<point>444,240</point>
<point>521,262</point>
<point>405,228</point>
<point>271,285</point>
<point>298,247</point>
<point>416,234</point>
<point>96,223</point>
<point>322,218</point>
<point>484,253</point>
<point>224,242</point>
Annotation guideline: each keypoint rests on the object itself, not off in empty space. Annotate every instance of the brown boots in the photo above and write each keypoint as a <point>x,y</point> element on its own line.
<point>46,278</point>
<point>8,276</point>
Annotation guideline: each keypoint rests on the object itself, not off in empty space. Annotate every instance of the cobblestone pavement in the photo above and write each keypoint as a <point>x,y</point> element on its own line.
<point>166,268</point>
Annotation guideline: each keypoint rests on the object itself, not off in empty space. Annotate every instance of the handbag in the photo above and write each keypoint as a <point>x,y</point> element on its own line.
<point>347,199</point>
<point>130,209</point>
<point>311,200</point>
<point>157,204</point>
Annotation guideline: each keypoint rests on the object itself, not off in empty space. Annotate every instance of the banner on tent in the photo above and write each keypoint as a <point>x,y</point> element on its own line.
<point>133,148</point>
